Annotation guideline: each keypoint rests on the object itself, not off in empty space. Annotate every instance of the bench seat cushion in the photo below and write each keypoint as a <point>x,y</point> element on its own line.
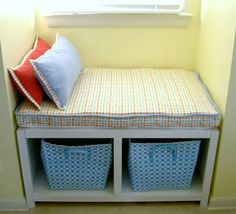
<point>129,98</point>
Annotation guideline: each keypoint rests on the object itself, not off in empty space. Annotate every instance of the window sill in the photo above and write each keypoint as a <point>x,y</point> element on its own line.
<point>119,20</point>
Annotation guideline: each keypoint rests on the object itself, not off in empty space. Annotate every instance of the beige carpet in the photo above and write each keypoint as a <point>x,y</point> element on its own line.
<point>120,208</point>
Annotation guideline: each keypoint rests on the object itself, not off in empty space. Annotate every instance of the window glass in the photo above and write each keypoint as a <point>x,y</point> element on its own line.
<point>111,6</point>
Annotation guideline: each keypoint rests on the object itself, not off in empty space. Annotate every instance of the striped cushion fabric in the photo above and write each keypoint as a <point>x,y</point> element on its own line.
<point>128,98</point>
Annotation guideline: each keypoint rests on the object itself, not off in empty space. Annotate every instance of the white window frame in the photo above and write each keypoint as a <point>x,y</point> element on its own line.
<point>121,13</point>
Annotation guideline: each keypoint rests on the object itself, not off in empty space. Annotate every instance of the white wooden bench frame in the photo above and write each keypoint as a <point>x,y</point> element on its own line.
<point>36,189</point>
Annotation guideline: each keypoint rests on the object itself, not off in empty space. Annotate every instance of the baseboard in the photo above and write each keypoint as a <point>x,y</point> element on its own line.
<point>13,204</point>
<point>222,203</point>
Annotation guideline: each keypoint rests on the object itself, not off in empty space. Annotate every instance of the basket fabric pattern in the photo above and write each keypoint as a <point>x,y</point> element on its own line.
<point>155,166</point>
<point>76,167</point>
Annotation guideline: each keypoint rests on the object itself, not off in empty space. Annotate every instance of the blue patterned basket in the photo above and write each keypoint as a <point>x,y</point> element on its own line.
<point>154,166</point>
<point>76,167</point>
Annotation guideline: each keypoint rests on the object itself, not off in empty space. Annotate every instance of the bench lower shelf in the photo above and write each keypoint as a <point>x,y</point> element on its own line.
<point>42,192</point>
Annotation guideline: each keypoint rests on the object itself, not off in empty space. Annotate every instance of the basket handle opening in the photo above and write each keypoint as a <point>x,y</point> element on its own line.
<point>83,152</point>
<point>170,148</point>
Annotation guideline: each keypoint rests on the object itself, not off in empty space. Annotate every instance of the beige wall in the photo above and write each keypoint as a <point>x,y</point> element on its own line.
<point>214,60</point>
<point>224,185</point>
<point>226,170</point>
<point>16,37</point>
<point>132,47</point>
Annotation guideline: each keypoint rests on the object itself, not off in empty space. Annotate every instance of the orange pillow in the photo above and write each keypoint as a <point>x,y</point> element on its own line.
<point>23,75</point>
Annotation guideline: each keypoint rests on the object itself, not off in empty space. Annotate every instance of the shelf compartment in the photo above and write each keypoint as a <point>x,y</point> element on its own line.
<point>194,193</point>
<point>42,191</point>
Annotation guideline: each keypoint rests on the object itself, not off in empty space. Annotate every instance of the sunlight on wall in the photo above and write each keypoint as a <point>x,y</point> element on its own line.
<point>16,8</point>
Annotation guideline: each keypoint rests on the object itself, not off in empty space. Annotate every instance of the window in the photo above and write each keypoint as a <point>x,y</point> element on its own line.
<point>113,12</point>
<point>67,7</point>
